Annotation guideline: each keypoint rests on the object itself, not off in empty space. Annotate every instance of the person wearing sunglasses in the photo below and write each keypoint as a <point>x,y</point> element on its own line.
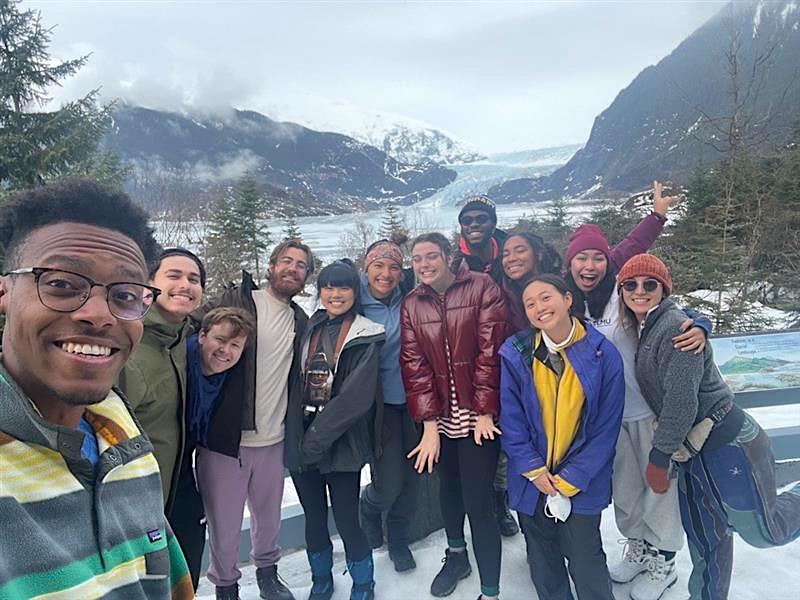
<point>722,457</point>
<point>82,507</point>
<point>481,243</point>
<point>650,523</point>
<point>480,248</point>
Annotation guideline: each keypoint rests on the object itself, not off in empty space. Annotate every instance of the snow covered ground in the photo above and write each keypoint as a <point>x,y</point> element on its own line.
<point>758,574</point>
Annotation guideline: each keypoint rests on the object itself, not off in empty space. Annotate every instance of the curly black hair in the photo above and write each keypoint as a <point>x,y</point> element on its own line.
<point>72,201</point>
<point>548,260</point>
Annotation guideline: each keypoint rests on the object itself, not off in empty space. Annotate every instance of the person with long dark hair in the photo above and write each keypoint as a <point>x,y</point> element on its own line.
<point>331,429</point>
<point>562,392</point>
<point>723,458</point>
<point>451,326</point>
<point>524,256</point>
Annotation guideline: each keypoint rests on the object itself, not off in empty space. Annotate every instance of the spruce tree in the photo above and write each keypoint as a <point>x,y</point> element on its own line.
<point>37,145</point>
<point>249,229</point>
<point>223,252</point>
<point>291,231</point>
<point>392,222</point>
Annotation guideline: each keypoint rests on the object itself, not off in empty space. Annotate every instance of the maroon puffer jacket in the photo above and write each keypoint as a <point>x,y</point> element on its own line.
<point>473,320</point>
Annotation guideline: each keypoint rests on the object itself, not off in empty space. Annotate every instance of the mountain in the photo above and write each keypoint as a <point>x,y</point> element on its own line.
<point>674,116</point>
<point>308,171</point>
<point>403,138</point>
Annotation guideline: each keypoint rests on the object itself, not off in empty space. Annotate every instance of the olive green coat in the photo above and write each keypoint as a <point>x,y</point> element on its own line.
<point>154,382</point>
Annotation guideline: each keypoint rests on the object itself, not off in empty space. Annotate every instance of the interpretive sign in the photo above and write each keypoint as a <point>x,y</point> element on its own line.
<point>768,361</point>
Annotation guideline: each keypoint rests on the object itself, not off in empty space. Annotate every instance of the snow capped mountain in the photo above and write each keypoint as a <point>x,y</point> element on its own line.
<point>403,138</point>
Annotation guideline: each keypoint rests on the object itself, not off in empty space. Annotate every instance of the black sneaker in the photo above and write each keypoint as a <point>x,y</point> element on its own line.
<point>372,524</point>
<point>505,520</point>
<point>228,592</point>
<point>456,567</point>
<point>270,586</point>
<point>402,558</point>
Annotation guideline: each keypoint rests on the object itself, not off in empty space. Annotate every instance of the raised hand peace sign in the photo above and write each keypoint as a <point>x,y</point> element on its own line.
<point>661,204</point>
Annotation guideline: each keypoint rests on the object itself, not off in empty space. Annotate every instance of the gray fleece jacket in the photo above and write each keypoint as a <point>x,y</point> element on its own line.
<point>682,388</point>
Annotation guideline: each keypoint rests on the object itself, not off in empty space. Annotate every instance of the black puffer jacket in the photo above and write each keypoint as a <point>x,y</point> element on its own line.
<point>341,438</point>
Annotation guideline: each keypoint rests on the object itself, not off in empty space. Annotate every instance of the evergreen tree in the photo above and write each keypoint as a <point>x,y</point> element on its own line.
<point>36,145</point>
<point>392,222</point>
<point>249,229</point>
<point>556,226</point>
<point>291,231</point>
<point>615,221</point>
<point>223,252</point>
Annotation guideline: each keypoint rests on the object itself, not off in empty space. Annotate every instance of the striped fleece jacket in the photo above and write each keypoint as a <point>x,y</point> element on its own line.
<point>69,530</point>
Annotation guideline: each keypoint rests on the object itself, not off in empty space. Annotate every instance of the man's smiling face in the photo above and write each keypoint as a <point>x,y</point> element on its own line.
<point>477,227</point>
<point>72,358</point>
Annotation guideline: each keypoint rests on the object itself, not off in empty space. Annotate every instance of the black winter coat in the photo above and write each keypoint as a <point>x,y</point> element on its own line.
<point>341,438</point>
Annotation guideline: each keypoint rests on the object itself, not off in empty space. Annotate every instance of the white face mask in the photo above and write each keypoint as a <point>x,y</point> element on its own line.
<point>558,507</point>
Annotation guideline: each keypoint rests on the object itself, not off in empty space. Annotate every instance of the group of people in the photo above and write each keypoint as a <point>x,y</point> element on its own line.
<point>134,416</point>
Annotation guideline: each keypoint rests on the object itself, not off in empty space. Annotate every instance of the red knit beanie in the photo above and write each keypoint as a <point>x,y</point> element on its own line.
<point>646,265</point>
<point>587,237</point>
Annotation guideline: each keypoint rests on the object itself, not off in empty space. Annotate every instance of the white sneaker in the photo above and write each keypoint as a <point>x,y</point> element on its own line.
<point>634,561</point>
<point>661,576</point>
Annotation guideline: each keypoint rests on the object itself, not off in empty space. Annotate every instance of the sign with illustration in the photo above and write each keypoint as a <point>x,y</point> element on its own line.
<point>766,361</point>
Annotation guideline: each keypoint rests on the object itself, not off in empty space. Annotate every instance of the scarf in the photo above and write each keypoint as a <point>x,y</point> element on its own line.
<point>561,397</point>
<point>202,392</point>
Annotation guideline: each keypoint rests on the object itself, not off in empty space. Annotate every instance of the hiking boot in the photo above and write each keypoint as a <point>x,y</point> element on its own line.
<point>228,592</point>
<point>372,525</point>
<point>270,587</point>
<point>661,576</point>
<point>456,567</point>
<point>321,574</point>
<point>634,561</point>
<point>505,520</point>
<point>362,573</point>
<point>402,558</point>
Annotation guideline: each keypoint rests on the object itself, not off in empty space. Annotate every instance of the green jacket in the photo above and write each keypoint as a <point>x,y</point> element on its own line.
<point>154,382</point>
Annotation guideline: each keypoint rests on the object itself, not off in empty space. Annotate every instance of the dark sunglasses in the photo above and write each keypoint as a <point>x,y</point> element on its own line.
<point>467,220</point>
<point>649,285</point>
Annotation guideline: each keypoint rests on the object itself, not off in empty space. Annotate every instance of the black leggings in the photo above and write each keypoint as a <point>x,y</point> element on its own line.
<point>466,476</point>
<point>344,490</point>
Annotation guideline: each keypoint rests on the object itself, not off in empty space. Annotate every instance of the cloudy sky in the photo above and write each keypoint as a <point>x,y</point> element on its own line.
<point>499,75</point>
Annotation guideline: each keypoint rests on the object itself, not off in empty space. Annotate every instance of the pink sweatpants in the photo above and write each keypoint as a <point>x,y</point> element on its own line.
<point>226,485</point>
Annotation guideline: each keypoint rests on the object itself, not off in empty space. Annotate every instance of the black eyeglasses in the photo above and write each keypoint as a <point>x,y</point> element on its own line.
<point>65,291</point>
<point>649,285</point>
<point>467,220</point>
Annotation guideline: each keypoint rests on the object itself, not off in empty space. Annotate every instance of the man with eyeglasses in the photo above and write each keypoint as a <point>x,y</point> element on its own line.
<point>481,247</point>
<point>81,509</point>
